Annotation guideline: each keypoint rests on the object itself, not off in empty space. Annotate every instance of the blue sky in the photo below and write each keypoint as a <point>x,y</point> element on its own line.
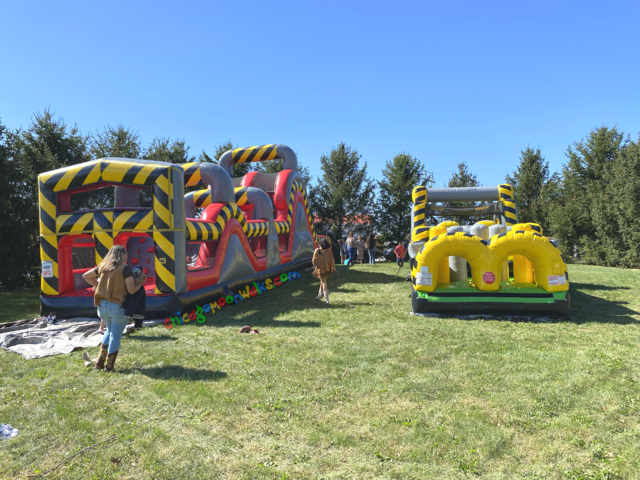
<point>444,81</point>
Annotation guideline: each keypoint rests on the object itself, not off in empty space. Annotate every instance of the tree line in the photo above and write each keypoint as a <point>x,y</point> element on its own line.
<point>590,206</point>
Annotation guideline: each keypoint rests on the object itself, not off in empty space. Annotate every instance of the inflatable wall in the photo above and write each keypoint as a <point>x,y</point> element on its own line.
<point>192,247</point>
<point>494,267</point>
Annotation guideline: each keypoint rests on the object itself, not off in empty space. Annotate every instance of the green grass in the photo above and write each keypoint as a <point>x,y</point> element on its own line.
<point>19,304</point>
<point>359,389</point>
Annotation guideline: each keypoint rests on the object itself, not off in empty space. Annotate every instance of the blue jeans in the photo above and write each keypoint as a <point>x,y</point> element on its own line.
<point>372,256</point>
<point>113,317</point>
<point>353,255</point>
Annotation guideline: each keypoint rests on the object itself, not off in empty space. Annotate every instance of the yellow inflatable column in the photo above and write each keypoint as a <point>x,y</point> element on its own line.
<point>443,267</point>
<point>497,230</point>
<point>522,266</point>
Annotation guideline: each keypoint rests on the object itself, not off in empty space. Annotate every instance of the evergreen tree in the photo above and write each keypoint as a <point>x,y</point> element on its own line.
<point>616,213</point>
<point>203,157</point>
<point>400,175</point>
<point>344,193</point>
<point>462,178</point>
<point>570,215</point>
<point>529,181</point>
<point>164,150</point>
<point>18,233</point>
<point>46,145</point>
<point>116,142</point>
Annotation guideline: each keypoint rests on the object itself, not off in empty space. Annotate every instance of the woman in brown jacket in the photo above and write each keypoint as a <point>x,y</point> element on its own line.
<point>115,282</point>
<point>325,267</point>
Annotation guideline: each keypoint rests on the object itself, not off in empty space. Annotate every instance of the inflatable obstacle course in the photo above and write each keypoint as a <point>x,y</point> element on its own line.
<point>192,248</point>
<point>494,267</point>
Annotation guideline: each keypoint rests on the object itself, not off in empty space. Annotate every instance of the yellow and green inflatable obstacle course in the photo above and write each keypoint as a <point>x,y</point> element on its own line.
<point>442,257</point>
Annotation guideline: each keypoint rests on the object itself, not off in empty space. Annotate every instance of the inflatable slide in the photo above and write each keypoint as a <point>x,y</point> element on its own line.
<point>193,247</point>
<point>494,267</point>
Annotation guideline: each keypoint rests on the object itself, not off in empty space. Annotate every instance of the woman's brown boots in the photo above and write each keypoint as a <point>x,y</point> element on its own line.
<point>106,360</point>
<point>111,361</point>
<point>102,356</point>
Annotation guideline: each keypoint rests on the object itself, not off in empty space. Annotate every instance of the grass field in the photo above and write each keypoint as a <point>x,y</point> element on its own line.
<point>356,390</point>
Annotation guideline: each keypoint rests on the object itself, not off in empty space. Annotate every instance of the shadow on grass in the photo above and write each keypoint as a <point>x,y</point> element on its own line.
<point>147,338</point>
<point>265,310</point>
<point>591,286</point>
<point>177,372</point>
<point>589,308</point>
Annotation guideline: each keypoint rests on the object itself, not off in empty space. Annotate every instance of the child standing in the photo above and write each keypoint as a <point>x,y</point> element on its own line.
<point>400,252</point>
<point>325,267</point>
<point>343,251</point>
<point>352,248</point>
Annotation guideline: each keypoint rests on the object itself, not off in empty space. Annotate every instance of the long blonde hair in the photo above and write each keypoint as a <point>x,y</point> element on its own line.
<point>113,259</point>
<point>350,235</point>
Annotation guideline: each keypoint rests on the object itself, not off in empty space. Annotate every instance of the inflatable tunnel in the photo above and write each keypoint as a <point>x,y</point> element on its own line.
<point>192,247</point>
<point>493,267</point>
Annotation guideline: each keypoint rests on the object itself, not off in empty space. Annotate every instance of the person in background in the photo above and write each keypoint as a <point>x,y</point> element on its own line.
<point>360,247</point>
<point>135,305</point>
<point>343,251</point>
<point>400,252</point>
<point>325,267</point>
<point>115,282</point>
<point>352,248</point>
<point>370,245</point>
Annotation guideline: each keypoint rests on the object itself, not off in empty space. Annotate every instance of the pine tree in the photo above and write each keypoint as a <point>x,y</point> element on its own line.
<point>164,150</point>
<point>528,182</point>
<point>400,175</point>
<point>344,193</point>
<point>46,145</point>
<point>462,178</point>
<point>118,142</point>
<point>18,233</point>
<point>570,215</point>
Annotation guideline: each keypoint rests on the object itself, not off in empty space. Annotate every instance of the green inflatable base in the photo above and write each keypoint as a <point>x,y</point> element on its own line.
<point>460,298</point>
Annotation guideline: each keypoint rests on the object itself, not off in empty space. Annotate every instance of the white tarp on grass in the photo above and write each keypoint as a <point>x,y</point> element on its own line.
<point>37,339</point>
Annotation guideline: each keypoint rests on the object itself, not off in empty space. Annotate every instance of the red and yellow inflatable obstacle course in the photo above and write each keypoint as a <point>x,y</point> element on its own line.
<point>191,247</point>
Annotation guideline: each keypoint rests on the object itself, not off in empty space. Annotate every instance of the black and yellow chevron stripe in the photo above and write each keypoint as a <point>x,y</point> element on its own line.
<point>282,227</point>
<point>202,198</point>
<point>48,237</point>
<point>213,230</point>
<point>162,234</point>
<point>420,230</point>
<point>254,154</point>
<point>298,186</point>
<point>199,231</point>
<point>257,229</point>
<point>101,171</point>
<point>192,174</point>
<point>241,195</point>
<point>506,196</point>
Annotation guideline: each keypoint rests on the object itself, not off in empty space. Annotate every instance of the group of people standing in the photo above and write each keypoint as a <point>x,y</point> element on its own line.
<point>353,249</point>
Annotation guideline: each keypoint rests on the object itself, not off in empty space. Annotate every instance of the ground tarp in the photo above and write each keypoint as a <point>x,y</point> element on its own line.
<point>37,338</point>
